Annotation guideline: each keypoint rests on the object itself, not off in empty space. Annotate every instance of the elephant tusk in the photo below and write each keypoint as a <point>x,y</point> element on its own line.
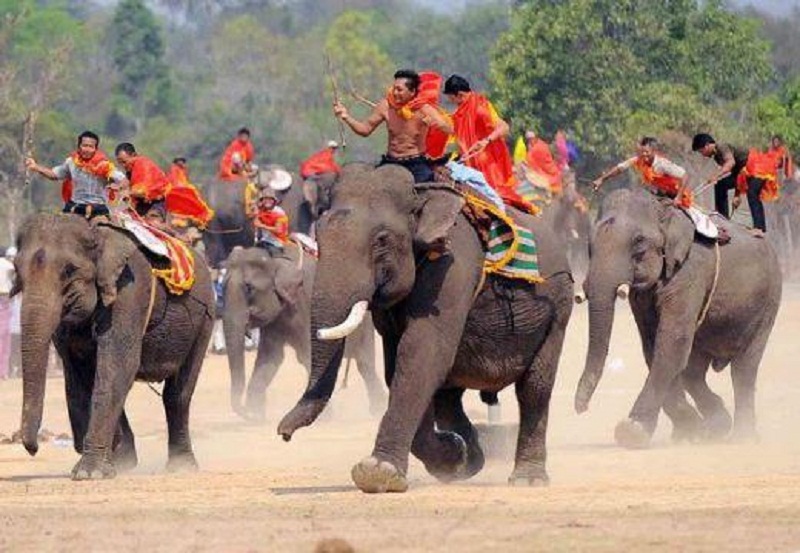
<point>342,330</point>
<point>623,291</point>
<point>580,296</point>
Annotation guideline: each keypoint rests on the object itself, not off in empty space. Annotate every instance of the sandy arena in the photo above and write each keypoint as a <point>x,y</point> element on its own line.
<point>256,493</point>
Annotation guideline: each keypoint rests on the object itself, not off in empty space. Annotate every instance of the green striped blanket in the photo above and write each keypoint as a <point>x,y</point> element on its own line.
<point>512,252</point>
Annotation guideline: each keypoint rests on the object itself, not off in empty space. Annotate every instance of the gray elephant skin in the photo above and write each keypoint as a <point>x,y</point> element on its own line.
<point>89,289</point>
<point>651,246</point>
<point>273,294</point>
<point>441,333</point>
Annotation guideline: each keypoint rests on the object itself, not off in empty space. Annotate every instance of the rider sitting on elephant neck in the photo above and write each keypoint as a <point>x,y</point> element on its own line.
<point>149,185</point>
<point>271,223</point>
<point>85,174</point>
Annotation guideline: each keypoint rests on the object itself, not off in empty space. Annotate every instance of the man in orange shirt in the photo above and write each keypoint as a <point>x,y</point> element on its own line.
<point>237,160</point>
<point>480,134</point>
<point>271,223</point>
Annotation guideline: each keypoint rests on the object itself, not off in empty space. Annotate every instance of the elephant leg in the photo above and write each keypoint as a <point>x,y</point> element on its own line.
<point>450,417</point>
<point>365,362</point>
<point>687,424</point>
<point>425,355</point>
<point>744,371</point>
<point>673,344</point>
<point>78,377</point>
<point>124,448</point>
<point>268,361</point>
<point>118,358</point>
<point>444,453</point>
<point>177,398</point>
<point>717,421</point>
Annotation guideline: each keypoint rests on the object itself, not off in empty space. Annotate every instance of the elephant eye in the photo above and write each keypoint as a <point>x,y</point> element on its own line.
<point>68,271</point>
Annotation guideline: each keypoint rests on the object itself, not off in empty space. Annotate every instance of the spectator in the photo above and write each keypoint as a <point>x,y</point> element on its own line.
<point>6,282</point>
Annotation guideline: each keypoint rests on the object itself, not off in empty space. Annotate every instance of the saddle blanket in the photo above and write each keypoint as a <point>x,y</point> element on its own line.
<point>178,276</point>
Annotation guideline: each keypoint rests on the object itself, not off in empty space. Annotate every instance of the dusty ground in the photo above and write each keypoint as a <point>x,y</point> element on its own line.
<point>256,493</point>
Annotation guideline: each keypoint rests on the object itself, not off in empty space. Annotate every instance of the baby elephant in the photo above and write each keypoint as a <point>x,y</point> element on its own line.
<point>273,294</point>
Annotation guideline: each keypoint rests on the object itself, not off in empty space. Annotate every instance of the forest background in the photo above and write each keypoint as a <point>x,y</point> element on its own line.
<point>179,77</point>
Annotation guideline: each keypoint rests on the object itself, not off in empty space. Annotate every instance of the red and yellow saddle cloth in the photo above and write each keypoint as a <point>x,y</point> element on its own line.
<point>178,275</point>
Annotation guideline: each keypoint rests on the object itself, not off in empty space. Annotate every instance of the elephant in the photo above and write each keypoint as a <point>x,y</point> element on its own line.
<point>90,288</point>
<point>273,294</point>
<point>695,302</point>
<point>408,254</point>
<point>231,227</point>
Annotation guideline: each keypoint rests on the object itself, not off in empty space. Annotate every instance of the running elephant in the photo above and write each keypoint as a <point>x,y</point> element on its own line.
<point>91,290</point>
<point>273,294</point>
<point>695,304</point>
<point>443,330</point>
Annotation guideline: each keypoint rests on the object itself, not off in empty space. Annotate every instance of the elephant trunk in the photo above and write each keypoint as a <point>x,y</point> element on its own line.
<point>602,292</point>
<point>332,316</point>
<point>39,318</point>
<point>234,325</point>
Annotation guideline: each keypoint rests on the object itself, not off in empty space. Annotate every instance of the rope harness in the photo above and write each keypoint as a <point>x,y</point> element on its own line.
<point>714,283</point>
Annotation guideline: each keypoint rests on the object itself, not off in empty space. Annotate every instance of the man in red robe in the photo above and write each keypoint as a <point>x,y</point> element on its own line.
<point>149,184</point>
<point>237,160</point>
<point>480,134</point>
<point>319,172</point>
<point>540,161</point>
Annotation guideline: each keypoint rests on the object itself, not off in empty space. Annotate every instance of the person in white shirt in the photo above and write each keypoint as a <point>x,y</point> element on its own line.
<point>6,284</point>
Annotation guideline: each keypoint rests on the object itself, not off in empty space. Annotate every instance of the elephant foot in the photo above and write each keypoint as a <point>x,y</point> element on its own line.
<point>91,467</point>
<point>372,475</point>
<point>742,434</point>
<point>632,435</point>
<point>184,462</point>
<point>534,477</point>
<point>690,430</point>
<point>453,463</point>
<point>718,425</point>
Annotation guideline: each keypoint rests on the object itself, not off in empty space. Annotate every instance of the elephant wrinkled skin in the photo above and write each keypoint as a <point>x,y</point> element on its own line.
<point>88,288</point>
<point>650,248</point>
<point>439,338</point>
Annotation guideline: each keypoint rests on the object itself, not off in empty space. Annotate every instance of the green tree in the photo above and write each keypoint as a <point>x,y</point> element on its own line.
<point>779,113</point>
<point>608,68</point>
<point>144,87</point>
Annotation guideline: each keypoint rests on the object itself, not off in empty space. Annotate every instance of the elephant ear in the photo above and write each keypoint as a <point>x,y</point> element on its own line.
<point>115,251</point>
<point>435,213</point>
<point>288,283</point>
<point>678,232</point>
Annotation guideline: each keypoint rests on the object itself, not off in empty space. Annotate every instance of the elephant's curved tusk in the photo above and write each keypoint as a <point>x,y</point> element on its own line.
<point>354,318</point>
<point>580,296</point>
<point>623,291</point>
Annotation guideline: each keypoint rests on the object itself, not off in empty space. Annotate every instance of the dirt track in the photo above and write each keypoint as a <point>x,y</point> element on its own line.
<point>256,493</point>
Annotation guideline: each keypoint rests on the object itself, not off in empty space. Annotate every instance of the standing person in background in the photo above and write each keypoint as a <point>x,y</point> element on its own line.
<point>6,284</point>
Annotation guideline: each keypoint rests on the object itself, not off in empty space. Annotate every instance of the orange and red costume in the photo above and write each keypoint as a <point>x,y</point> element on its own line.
<point>473,121</point>
<point>319,163</point>
<point>246,154</point>
<point>148,182</point>
<point>275,221</point>
<point>184,200</point>
<point>540,160</point>
<point>662,181</point>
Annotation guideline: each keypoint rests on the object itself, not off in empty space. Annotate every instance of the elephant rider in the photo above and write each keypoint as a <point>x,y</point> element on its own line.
<point>480,134</point>
<point>664,178</point>
<point>410,112</point>
<point>271,223</point>
<point>237,160</point>
<point>730,160</point>
<point>85,174</point>
<point>319,171</point>
<point>540,160</point>
<point>184,202</point>
<point>783,159</point>
<point>149,185</point>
